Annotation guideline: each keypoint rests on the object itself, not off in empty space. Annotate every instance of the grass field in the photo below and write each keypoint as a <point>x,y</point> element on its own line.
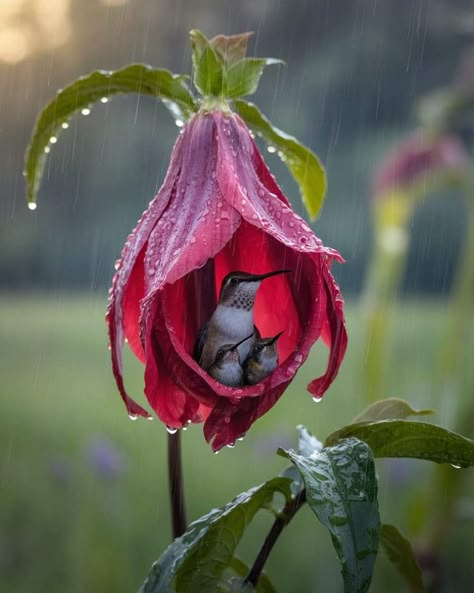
<point>83,490</point>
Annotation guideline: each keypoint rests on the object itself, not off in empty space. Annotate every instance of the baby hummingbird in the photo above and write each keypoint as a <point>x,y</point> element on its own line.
<point>226,367</point>
<point>262,360</point>
<point>232,319</point>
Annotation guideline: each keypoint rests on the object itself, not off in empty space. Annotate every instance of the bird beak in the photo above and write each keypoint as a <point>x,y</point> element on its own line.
<point>259,277</point>
<point>235,346</point>
<point>274,339</point>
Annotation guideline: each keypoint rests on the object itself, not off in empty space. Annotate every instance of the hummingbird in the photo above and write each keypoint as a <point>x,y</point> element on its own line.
<point>232,319</point>
<point>262,360</point>
<point>226,367</point>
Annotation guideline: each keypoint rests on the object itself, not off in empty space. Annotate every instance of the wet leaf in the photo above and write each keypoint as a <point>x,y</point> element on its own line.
<point>307,442</point>
<point>399,551</point>
<point>240,570</point>
<point>303,164</point>
<point>85,91</point>
<point>401,438</point>
<point>391,408</point>
<point>197,560</point>
<point>341,489</point>
<point>243,77</point>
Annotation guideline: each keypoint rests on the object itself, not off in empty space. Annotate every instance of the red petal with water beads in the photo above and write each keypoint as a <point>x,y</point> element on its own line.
<point>221,210</point>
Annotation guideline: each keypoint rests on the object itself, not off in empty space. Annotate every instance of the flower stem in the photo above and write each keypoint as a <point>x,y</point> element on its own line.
<point>286,515</point>
<point>176,485</point>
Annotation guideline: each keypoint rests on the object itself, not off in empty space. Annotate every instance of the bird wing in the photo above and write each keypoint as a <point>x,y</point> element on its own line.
<point>200,341</point>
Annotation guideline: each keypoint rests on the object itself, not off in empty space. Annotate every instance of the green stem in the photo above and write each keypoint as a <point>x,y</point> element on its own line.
<point>287,514</point>
<point>176,485</point>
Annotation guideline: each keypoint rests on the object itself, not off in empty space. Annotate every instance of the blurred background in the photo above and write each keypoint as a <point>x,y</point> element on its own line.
<point>83,491</point>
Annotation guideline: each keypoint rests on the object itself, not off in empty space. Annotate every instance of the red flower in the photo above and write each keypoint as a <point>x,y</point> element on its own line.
<point>220,210</point>
<point>414,158</point>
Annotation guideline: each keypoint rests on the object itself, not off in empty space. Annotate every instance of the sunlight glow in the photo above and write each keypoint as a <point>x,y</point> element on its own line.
<point>29,26</point>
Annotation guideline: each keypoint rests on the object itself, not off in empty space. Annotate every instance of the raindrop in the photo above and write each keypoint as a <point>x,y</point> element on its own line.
<point>104,100</point>
<point>171,430</point>
<point>456,466</point>
<point>151,272</point>
<point>132,416</point>
<point>149,417</point>
<point>85,111</point>
<point>271,149</point>
<point>227,419</point>
<point>317,398</point>
<point>47,149</point>
<point>64,125</point>
<point>32,205</point>
<point>231,445</point>
<point>53,139</point>
<point>179,123</point>
<point>117,265</point>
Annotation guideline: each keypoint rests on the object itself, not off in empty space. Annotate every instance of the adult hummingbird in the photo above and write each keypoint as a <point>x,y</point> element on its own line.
<point>226,367</point>
<point>232,319</point>
<point>262,360</point>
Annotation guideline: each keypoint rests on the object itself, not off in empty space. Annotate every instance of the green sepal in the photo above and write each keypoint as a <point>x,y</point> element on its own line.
<point>221,68</point>
<point>81,94</point>
<point>197,560</point>
<point>303,164</point>
<point>401,438</point>
<point>341,490</point>
<point>242,78</point>
<point>400,553</point>
<point>391,408</point>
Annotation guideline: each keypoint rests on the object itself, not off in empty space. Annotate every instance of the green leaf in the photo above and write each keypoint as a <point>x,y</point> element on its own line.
<point>391,408</point>
<point>239,569</point>
<point>208,75</point>
<point>303,164</point>
<point>341,489</point>
<point>399,551</point>
<point>307,442</point>
<point>243,77</point>
<point>136,78</point>
<point>197,560</point>
<point>401,438</point>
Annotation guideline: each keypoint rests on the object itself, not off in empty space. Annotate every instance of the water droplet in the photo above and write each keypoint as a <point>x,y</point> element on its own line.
<point>47,149</point>
<point>85,111</point>
<point>317,398</point>
<point>32,205</point>
<point>104,100</point>
<point>117,265</point>
<point>255,217</point>
<point>261,192</point>
<point>456,466</point>
<point>271,149</point>
<point>149,417</point>
<point>171,430</point>
<point>291,224</point>
<point>151,272</point>
<point>216,452</point>
<point>133,416</point>
<point>231,445</point>
<point>53,139</point>
<point>64,125</point>
<point>227,419</point>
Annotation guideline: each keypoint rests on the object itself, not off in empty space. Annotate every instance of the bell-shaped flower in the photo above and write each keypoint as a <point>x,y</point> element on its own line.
<point>220,210</point>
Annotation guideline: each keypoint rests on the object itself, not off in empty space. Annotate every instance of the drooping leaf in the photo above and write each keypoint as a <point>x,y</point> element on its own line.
<point>399,551</point>
<point>85,91</point>
<point>391,408</point>
<point>341,489</point>
<point>243,77</point>
<point>308,444</point>
<point>401,438</point>
<point>303,164</point>
<point>197,560</point>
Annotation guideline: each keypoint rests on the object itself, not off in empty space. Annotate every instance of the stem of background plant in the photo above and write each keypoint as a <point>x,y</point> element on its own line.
<point>384,279</point>
<point>286,515</point>
<point>447,481</point>
<point>176,485</point>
